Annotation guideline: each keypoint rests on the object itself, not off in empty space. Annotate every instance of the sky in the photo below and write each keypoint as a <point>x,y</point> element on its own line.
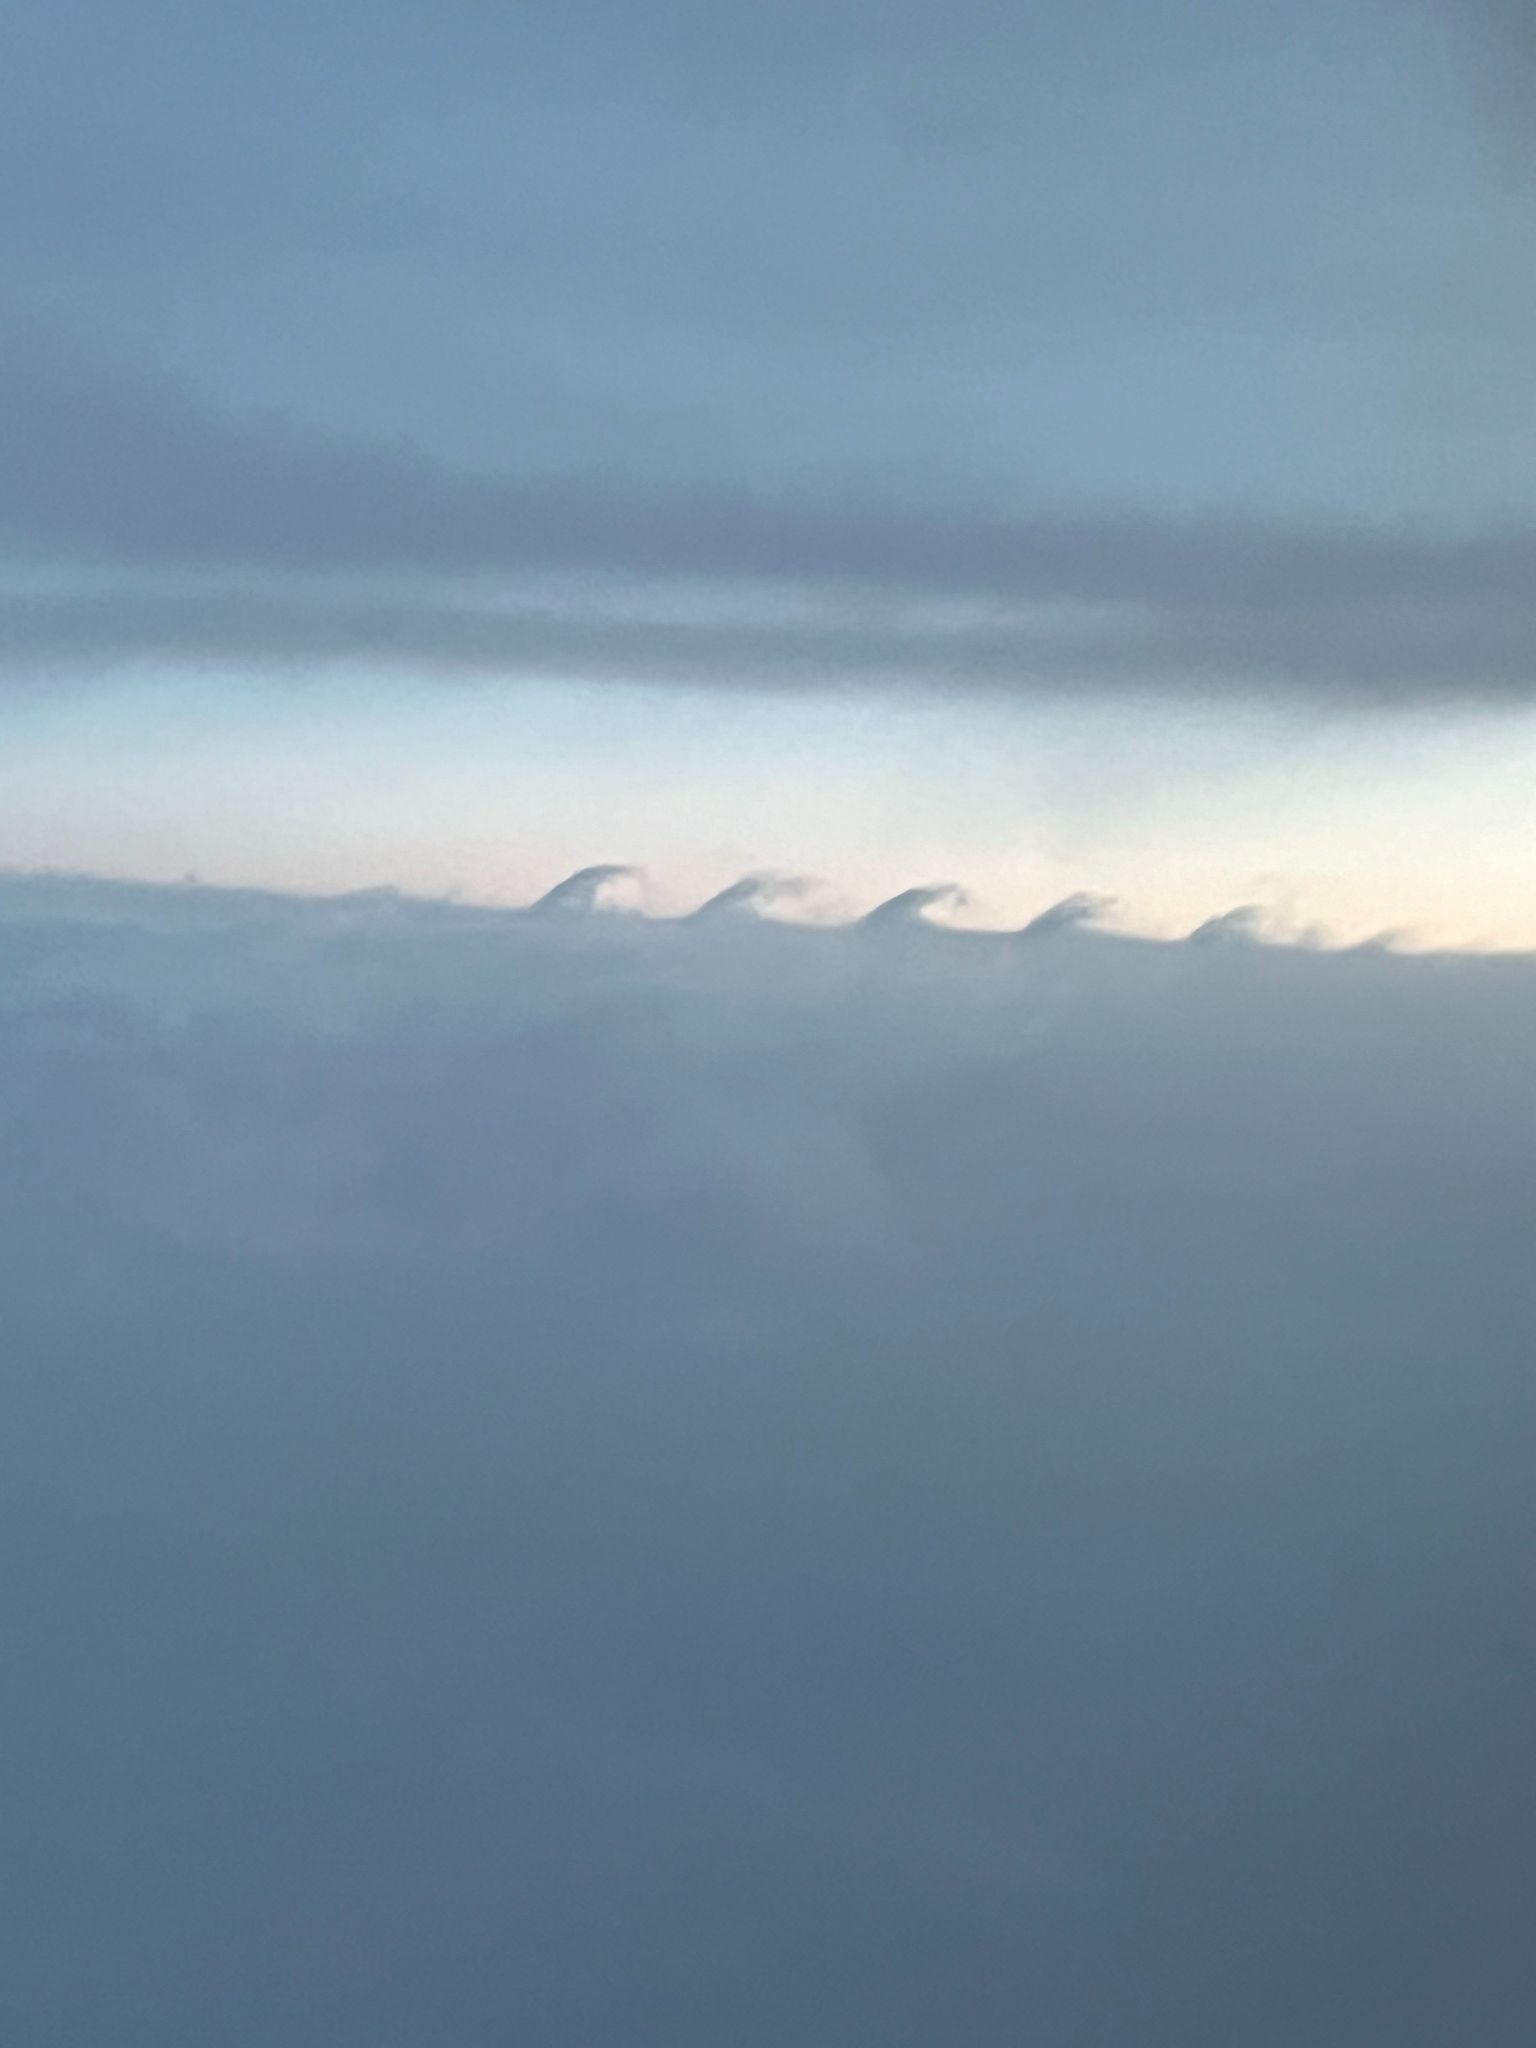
<point>939,1453</point>
<point>1033,446</point>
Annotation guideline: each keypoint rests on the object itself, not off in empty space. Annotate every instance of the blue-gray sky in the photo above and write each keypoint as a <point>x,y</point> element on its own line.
<point>1225,311</point>
<point>1117,352</point>
<point>789,1478</point>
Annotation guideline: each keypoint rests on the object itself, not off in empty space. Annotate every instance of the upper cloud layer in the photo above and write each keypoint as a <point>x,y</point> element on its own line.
<point>1106,348</point>
<point>142,523</point>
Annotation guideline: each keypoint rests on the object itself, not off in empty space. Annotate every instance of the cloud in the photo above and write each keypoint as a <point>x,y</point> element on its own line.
<point>917,907</point>
<point>998,356</point>
<point>1246,924</point>
<point>610,885</point>
<point>549,1481</point>
<point>1072,913</point>
<point>756,896</point>
<point>142,524</point>
<point>635,1479</point>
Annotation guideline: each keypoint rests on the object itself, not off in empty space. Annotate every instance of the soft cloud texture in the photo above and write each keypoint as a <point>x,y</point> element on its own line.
<point>1100,348</point>
<point>597,1480</point>
<point>199,538</point>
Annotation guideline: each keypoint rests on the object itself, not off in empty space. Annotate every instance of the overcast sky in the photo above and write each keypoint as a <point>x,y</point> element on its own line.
<point>939,1456</point>
<point>1123,357</point>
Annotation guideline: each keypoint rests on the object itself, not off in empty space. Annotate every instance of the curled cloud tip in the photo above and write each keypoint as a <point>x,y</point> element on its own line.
<point>755,896</point>
<point>608,886</point>
<point>1246,924</point>
<point>934,903</point>
<point>1082,908</point>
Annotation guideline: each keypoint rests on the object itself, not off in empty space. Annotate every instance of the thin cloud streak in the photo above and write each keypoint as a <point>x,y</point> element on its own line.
<point>143,526</point>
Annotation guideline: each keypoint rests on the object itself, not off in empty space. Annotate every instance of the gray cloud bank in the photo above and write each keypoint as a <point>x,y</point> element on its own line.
<point>140,524</point>
<point>591,1480</point>
<point>1115,348</point>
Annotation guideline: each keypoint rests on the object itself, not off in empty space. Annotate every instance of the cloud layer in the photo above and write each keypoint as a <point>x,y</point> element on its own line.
<point>1094,350</point>
<point>144,526</point>
<point>604,1480</point>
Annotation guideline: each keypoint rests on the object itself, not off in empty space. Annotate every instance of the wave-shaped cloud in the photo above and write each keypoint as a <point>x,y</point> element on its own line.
<point>1077,912</point>
<point>613,893</point>
<point>755,896</point>
<point>917,907</point>
<point>1245,924</point>
<point>606,886</point>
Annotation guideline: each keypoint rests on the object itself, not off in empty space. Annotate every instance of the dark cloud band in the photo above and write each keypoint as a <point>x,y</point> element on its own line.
<point>142,525</point>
